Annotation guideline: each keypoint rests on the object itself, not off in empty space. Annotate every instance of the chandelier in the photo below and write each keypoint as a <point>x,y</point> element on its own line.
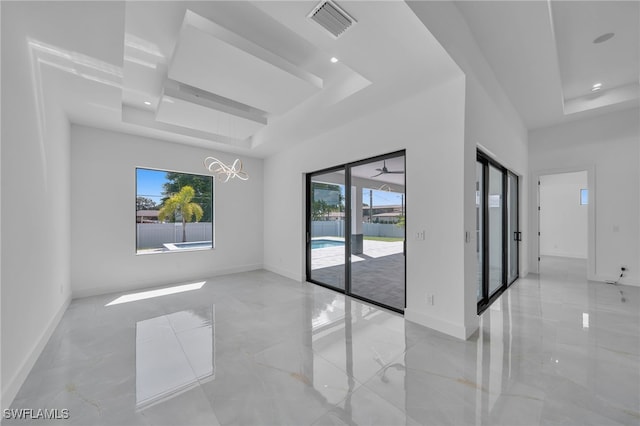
<point>226,172</point>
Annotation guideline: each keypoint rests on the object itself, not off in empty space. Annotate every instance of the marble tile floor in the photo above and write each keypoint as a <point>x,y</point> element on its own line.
<point>259,349</point>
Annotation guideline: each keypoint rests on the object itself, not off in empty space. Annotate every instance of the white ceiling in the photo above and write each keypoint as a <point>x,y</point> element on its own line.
<point>218,61</point>
<point>370,176</point>
<point>544,56</point>
<point>255,77</point>
<point>372,172</point>
<point>243,77</point>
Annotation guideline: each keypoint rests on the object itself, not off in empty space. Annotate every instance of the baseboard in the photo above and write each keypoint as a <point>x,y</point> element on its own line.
<point>632,281</point>
<point>285,273</point>
<point>568,255</point>
<point>98,291</point>
<point>14,384</point>
<point>459,331</point>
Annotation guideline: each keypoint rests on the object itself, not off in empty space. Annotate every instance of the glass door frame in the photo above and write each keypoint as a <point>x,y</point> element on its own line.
<point>488,298</point>
<point>517,234</point>
<point>309,220</point>
<point>348,226</point>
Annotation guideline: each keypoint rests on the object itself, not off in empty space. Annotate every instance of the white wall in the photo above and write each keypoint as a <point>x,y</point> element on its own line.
<point>103,191</point>
<point>35,194</point>
<point>608,145</point>
<point>490,120</point>
<point>443,265</point>
<point>563,220</point>
<point>430,127</point>
<point>1,382</point>
<point>496,127</point>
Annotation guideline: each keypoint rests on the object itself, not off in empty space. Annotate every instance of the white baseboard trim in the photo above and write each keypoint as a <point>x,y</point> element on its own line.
<point>565,254</point>
<point>98,291</point>
<point>13,385</point>
<point>285,273</point>
<point>632,281</point>
<point>459,331</point>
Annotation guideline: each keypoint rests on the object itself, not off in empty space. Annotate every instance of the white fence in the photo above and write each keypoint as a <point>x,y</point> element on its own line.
<point>335,228</point>
<point>382,230</point>
<point>153,235</point>
<point>327,228</point>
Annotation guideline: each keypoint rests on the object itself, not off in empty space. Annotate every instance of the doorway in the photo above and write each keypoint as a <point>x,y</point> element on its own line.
<point>563,218</point>
<point>356,216</point>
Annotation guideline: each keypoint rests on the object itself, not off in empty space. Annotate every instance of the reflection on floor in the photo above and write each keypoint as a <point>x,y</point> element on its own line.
<point>377,273</point>
<point>185,340</point>
<point>551,350</point>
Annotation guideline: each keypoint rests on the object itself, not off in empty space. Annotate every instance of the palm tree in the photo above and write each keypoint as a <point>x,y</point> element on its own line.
<point>181,203</point>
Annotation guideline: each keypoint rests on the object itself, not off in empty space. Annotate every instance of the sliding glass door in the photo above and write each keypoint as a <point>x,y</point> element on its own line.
<point>496,229</point>
<point>513,233</point>
<point>356,237</point>
<point>480,249</point>
<point>326,231</point>
<point>377,231</point>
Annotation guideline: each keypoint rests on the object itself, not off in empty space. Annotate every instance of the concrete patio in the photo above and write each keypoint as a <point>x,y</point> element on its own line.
<point>378,273</point>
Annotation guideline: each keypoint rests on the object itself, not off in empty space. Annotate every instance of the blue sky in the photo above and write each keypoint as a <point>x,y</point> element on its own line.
<point>150,183</point>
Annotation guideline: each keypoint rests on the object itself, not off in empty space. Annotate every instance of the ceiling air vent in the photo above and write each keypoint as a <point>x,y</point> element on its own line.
<point>331,16</point>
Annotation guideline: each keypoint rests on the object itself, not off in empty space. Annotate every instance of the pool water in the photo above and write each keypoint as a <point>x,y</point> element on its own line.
<point>325,243</point>
<point>193,245</point>
<point>196,244</point>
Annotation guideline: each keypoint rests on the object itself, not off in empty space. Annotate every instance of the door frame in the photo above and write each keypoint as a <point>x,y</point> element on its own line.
<point>534,190</point>
<point>517,227</point>
<point>488,298</point>
<point>308,221</point>
<point>346,167</point>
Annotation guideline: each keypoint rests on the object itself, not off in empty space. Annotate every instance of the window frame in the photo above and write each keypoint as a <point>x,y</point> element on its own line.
<point>180,250</point>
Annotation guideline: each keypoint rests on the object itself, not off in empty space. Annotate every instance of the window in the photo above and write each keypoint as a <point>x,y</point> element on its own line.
<point>174,211</point>
<point>584,197</point>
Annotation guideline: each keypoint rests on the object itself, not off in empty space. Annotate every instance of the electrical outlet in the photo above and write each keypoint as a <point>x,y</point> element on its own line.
<point>430,299</point>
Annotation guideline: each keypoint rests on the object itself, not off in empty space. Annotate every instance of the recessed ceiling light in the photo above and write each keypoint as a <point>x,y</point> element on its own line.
<point>604,37</point>
<point>334,60</point>
<point>596,87</point>
<point>147,103</point>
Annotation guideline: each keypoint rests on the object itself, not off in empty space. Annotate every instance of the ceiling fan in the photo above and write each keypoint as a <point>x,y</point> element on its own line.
<point>384,170</point>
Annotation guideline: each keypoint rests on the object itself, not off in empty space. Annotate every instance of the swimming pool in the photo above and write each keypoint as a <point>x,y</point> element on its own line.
<point>193,245</point>
<point>325,243</point>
